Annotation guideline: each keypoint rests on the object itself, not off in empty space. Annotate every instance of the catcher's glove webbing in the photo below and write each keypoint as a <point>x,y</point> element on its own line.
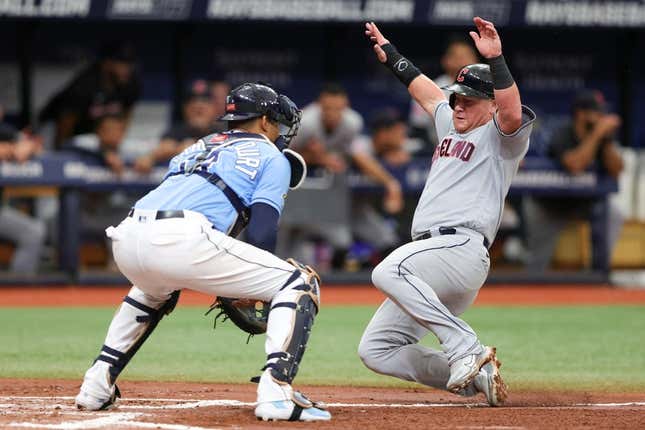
<point>249,315</point>
<point>252,315</point>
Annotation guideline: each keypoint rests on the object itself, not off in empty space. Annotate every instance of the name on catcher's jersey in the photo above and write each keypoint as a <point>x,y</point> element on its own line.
<point>249,164</point>
<point>470,175</point>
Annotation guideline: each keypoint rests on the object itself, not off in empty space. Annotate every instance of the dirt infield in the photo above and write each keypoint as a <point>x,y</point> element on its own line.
<point>334,295</point>
<point>176,406</point>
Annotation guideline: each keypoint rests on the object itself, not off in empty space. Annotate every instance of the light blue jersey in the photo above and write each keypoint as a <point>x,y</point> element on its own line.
<point>249,164</point>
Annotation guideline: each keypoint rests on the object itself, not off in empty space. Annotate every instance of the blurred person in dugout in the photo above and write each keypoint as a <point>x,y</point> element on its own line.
<point>108,86</point>
<point>203,104</point>
<point>458,53</point>
<point>389,138</point>
<point>328,141</point>
<point>103,148</point>
<point>586,142</point>
<point>25,232</point>
<point>388,143</point>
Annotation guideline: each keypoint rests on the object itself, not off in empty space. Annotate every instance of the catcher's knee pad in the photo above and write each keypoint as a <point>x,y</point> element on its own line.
<point>119,359</point>
<point>284,364</point>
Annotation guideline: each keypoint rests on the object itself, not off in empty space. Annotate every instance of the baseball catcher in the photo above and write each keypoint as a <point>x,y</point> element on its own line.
<point>483,131</point>
<point>182,235</point>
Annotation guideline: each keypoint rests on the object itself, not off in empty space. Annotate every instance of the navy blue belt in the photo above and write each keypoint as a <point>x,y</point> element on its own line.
<point>447,230</point>
<point>162,214</point>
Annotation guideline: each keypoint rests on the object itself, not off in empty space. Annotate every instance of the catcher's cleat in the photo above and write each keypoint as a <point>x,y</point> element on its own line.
<point>97,394</point>
<point>464,370</point>
<point>489,381</point>
<point>287,410</point>
<point>87,402</point>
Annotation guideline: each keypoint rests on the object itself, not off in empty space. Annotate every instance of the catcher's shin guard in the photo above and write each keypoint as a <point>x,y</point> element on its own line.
<point>292,315</point>
<point>130,329</point>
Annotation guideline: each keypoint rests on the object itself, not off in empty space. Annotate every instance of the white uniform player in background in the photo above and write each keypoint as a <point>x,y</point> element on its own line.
<point>483,133</point>
<point>182,235</point>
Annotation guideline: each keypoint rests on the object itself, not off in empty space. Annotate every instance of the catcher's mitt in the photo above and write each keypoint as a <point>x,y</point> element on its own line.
<point>249,315</point>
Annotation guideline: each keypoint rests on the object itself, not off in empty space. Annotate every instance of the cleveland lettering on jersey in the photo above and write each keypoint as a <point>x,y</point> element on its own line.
<point>461,149</point>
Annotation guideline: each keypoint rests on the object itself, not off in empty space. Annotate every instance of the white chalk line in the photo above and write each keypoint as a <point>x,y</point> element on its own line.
<point>128,419</point>
<point>122,419</point>
<point>609,405</point>
<point>133,399</point>
<point>107,420</point>
<point>191,403</point>
<point>103,422</point>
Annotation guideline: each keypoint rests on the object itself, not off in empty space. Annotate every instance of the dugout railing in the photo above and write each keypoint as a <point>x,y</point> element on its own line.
<point>72,178</point>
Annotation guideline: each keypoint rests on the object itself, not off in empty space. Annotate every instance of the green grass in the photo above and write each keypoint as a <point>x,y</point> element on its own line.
<point>561,348</point>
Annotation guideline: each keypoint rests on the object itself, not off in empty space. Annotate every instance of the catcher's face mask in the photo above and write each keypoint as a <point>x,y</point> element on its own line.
<point>288,124</point>
<point>288,117</point>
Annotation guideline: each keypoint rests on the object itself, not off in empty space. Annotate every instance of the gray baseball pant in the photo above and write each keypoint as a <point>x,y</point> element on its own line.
<point>545,220</point>
<point>428,283</point>
<point>27,234</point>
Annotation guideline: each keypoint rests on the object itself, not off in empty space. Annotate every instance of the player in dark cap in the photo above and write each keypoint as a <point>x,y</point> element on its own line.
<point>586,142</point>
<point>109,86</point>
<point>199,118</point>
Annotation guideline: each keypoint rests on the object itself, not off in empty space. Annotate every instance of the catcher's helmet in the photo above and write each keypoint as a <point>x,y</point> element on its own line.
<point>474,80</point>
<point>252,100</point>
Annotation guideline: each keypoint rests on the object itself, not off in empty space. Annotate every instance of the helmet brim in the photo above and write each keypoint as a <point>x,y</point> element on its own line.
<point>466,91</point>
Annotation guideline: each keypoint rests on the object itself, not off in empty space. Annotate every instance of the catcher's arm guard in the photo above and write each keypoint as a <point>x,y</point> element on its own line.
<point>249,315</point>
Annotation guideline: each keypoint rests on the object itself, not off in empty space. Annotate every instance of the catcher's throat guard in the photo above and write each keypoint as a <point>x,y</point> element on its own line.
<point>298,168</point>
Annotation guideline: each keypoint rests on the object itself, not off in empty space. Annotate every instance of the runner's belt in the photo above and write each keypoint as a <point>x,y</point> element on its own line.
<point>443,231</point>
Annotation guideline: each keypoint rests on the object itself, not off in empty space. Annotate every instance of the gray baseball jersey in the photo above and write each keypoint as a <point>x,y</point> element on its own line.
<point>321,219</point>
<point>470,175</point>
<point>338,140</point>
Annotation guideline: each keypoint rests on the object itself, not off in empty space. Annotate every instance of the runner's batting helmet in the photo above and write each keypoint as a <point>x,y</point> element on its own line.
<point>474,80</point>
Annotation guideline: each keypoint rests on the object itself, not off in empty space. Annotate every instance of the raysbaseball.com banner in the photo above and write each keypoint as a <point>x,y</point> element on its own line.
<point>569,13</point>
